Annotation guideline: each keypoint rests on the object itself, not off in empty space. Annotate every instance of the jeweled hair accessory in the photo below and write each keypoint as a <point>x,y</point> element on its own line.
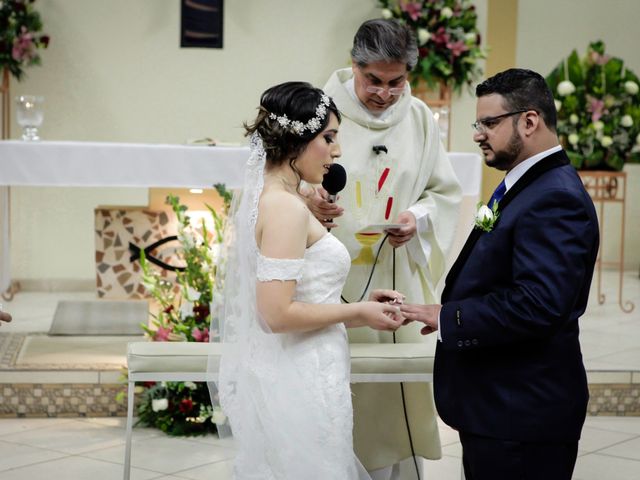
<point>312,124</point>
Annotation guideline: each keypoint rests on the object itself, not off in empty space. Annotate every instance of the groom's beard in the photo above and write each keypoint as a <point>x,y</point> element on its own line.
<point>505,159</point>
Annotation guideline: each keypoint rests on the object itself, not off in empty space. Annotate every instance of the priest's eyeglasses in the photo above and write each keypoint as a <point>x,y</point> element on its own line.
<point>481,126</point>
<point>395,91</point>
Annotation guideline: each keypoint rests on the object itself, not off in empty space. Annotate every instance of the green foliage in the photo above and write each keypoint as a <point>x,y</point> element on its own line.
<point>448,39</point>
<point>19,39</point>
<point>184,408</point>
<point>598,109</point>
<point>177,408</point>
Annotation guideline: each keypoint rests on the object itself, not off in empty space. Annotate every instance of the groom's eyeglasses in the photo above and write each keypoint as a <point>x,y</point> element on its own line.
<point>481,126</point>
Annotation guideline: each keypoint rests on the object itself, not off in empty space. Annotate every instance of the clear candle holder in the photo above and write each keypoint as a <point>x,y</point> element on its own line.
<point>29,114</point>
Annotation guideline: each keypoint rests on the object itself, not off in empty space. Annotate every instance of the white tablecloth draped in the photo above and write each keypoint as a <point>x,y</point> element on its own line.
<point>93,164</point>
<point>100,164</point>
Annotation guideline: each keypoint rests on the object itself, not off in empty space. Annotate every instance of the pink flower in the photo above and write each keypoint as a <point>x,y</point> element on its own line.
<point>162,334</point>
<point>24,49</point>
<point>414,9</point>
<point>200,335</point>
<point>599,59</point>
<point>596,107</point>
<point>457,48</point>
<point>441,37</point>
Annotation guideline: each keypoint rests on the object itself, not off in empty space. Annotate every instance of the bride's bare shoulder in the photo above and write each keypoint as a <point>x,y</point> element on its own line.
<point>277,202</point>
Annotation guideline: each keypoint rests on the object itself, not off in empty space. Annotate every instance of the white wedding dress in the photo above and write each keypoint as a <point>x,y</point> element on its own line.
<point>286,395</point>
<point>299,422</point>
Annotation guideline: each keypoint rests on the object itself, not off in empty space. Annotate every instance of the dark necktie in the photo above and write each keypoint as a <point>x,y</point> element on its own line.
<point>498,193</point>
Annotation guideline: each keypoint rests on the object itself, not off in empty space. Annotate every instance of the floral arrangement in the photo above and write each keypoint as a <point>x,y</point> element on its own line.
<point>598,109</point>
<point>184,408</point>
<point>19,38</point>
<point>486,217</point>
<point>448,39</point>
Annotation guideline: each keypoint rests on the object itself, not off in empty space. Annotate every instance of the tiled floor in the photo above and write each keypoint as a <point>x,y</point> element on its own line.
<point>94,448</point>
<point>75,448</point>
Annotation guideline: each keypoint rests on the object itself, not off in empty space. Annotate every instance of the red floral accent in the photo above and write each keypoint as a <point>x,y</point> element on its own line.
<point>186,405</point>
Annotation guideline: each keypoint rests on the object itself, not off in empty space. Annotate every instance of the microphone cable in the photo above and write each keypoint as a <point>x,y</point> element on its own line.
<point>393,284</point>
<point>404,401</point>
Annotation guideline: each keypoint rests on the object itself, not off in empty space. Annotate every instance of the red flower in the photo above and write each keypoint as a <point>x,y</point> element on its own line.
<point>201,312</point>
<point>186,405</point>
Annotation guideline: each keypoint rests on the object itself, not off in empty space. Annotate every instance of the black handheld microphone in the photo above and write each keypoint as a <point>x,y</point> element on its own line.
<point>334,181</point>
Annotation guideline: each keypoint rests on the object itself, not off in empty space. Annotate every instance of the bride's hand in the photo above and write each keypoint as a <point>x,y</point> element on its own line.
<point>381,316</point>
<point>386,296</point>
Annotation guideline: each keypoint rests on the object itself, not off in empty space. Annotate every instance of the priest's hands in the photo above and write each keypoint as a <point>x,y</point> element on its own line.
<point>427,314</point>
<point>321,208</point>
<point>399,236</point>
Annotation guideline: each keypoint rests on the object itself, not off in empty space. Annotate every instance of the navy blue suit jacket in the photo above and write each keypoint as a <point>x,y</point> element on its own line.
<point>510,365</point>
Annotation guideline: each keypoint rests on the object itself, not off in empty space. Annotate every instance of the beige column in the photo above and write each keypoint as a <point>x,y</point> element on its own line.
<point>502,29</point>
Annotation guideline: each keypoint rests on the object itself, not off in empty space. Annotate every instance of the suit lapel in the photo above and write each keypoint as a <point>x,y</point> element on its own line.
<point>554,160</point>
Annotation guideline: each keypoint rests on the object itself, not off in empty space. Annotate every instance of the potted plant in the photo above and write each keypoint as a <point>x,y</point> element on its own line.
<point>20,40</point>
<point>449,48</point>
<point>598,109</point>
<point>184,315</point>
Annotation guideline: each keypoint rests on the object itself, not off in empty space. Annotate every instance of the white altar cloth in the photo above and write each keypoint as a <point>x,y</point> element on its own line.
<point>93,164</point>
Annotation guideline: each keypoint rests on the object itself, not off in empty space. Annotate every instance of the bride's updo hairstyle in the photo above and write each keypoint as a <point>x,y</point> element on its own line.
<point>290,116</point>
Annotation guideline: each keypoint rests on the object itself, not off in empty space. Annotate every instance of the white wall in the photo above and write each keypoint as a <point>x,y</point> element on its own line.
<point>114,72</point>
<point>548,30</point>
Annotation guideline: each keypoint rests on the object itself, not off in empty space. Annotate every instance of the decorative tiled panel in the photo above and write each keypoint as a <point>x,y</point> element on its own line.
<point>59,399</point>
<point>115,229</point>
<point>99,400</point>
<point>614,399</point>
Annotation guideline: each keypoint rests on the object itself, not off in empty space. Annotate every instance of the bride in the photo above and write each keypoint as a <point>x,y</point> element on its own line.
<point>284,376</point>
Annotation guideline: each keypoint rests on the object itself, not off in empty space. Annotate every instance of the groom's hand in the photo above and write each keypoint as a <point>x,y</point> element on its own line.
<point>427,314</point>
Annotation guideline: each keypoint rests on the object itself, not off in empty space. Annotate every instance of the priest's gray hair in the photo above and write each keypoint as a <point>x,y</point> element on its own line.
<point>384,40</point>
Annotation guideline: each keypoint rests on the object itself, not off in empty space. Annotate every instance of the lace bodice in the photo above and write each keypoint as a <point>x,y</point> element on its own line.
<point>320,275</point>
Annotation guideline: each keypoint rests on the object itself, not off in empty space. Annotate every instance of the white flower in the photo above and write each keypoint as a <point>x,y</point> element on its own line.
<point>606,141</point>
<point>215,250</point>
<point>446,12</point>
<point>484,213</point>
<point>190,385</point>
<point>186,308</point>
<point>638,139</point>
<point>626,121</point>
<point>574,139</point>
<point>631,87</point>
<point>470,37</point>
<point>423,36</point>
<point>386,13</point>
<point>486,217</point>
<point>599,125</point>
<point>217,416</point>
<point>186,239</point>
<point>573,118</point>
<point>558,105</point>
<point>566,88</point>
<point>158,404</point>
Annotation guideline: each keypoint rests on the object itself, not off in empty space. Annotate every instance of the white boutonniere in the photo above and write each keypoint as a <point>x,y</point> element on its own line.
<point>486,217</point>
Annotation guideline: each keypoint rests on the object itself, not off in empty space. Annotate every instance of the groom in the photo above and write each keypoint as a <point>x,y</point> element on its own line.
<point>508,371</point>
